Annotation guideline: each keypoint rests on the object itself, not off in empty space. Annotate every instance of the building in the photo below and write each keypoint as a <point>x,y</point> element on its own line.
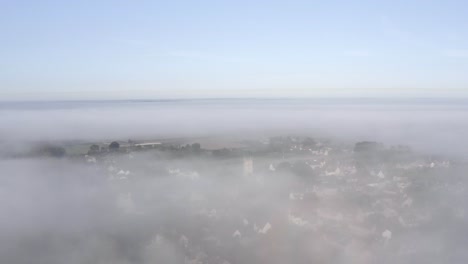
<point>248,166</point>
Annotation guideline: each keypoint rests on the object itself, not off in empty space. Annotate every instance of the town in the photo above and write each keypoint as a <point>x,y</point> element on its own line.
<point>281,199</point>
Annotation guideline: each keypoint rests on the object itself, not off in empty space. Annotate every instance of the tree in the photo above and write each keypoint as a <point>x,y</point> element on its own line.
<point>114,146</point>
<point>284,167</point>
<point>222,153</point>
<point>302,169</point>
<point>93,149</point>
<point>196,147</point>
<point>51,151</point>
<point>367,146</point>
<point>309,142</point>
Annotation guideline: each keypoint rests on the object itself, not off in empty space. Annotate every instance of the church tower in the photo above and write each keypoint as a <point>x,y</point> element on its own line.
<point>248,166</point>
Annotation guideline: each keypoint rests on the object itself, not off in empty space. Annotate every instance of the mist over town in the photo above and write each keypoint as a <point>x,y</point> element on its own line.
<point>212,185</point>
<point>233,132</point>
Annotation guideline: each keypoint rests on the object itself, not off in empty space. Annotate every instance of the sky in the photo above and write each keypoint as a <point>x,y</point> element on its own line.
<point>207,49</point>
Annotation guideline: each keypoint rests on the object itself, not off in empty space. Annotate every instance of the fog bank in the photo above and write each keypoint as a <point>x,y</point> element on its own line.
<point>426,126</point>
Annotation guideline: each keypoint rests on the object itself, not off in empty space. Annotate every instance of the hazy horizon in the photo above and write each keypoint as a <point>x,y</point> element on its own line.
<point>404,121</point>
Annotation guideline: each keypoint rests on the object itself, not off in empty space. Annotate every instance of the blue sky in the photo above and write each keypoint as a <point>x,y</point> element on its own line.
<point>185,49</point>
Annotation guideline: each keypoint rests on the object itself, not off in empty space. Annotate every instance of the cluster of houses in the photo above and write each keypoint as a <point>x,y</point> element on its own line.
<point>273,213</point>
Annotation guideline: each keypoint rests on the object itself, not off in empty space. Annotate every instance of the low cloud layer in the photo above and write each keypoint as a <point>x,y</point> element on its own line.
<point>283,200</point>
<point>426,126</point>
